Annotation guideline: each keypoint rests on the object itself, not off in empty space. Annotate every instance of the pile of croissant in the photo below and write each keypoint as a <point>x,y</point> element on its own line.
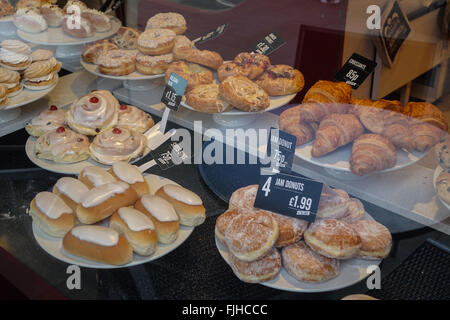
<point>331,118</point>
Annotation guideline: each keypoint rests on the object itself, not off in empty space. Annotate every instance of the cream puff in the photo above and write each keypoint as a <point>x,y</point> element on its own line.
<point>117,144</point>
<point>133,118</point>
<point>48,120</point>
<point>11,79</point>
<point>3,95</point>
<point>99,21</point>
<point>69,7</point>
<point>52,14</point>
<point>41,55</point>
<point>41,75</point>
<point>62,146</point>
<point>15,55</point>
<point>30,20</point>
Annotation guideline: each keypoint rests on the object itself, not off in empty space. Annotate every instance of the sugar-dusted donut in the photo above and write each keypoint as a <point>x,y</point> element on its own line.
<point>376,240</point>
<point>263,269</point>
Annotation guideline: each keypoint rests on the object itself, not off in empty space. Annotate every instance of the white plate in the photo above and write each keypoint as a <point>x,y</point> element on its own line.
<point>437,172</point>
<point>339,159</point>
<point>351,271</point>
<point>275,102</point>
<point>27,96</point>
<point>56,36</point>
<point>53,246</point>
<point>92,68</point>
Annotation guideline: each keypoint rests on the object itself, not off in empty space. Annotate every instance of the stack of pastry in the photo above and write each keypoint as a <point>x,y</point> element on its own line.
<point>41,74</point>
<point>11,79</point>
<point>311,253</point>
<point>117,130</point>
<point>331,119</point>
<point>15,55</point>
<point>105,216</point>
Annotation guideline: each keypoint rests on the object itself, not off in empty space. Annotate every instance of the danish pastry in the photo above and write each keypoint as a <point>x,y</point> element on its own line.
<point>205,58</point>
<point>206,98</point>
<point>193,73</point>
<point>228,69</point>
<point>62,146</point>
<point>376,240</point>
<point>281,80</point>
<point>117,144</point>
<point>182,47</point>
<point>133,118</point>
<point>443,153</point>
<point>156,41</point>
<point>146,64</point>
<point>116,62</point>
<point>6,9</point>
<point>244,94</point>
<point>260,270</point>
<point>252,64</point>
<point>48,120</point>
<point>170,20</point>
<point>99,48</point>
<point>126,38</point>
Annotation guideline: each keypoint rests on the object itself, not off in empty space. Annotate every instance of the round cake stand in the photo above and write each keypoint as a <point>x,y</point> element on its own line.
<point>7,27</point>
<point>8,115</point>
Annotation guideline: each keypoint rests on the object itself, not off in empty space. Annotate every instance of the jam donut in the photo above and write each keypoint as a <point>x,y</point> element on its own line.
<point>116,62</point>
<point>333,239</point>
<point>62,146</point>
<point>252,64</point>
<point>306,265</point>
<point>170,20</point>
<point>243,198</point>
<point>251,236</point>
<point>290,230</point>
<point>133,118</point>
<point>206,98</point>
<point>192,72</point>
<point>261,270</point>
<point>244,94</point>
<point>376,240</point>
<point>156,41</point>
<point>117,144</point>
<point>280,80</point>
<point>146,64</point>
<point>222,223</point>
<point>93,113</point>
<point>48,120</point>
<point>355,211</point>
<point>333,203</point>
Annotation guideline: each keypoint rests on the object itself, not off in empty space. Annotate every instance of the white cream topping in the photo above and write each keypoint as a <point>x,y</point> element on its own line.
<point>43,78</point>
<point>55,117</point>
<point>97,234</point>
<point>159,208</point>
<point>98,176</point>
<point>136,220</point>
<point>182,194</point>
<point>127,172</point>
<point>13,57</point>
<point>72,188</point>
<point>51,205</point>
<point>102,193</point>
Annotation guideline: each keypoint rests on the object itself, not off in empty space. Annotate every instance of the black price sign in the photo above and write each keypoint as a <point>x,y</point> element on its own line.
<point>174,91</point>
<point>355,70</point>
<point>212,34</point>
<point>281,148</point>
<point>269,44</point>
<point>289,195</point>
<point>168,154</point>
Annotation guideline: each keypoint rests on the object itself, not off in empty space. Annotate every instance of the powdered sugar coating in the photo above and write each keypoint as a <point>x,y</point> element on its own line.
<point>244,198</point>
<point>355,211</point>
<point>262,269</point>
<point>374,236</point>
<point>290,229</point>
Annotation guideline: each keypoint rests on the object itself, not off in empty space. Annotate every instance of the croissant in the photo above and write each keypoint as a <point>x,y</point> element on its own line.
<point>360,104</point>
<point>426,112</point>
<point>335,131</point>
<point>371,153</point>
<point>290,121</point>
<point>316,112</point>
<point>425,135</point>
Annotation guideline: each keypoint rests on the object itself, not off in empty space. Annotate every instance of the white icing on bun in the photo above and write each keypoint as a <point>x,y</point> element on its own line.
<point>98,176</point>
<point>102,193</point>
<point>51,205</point>
<point>136,220</point>
<point>72,188</point>
<point>182,194</point>
<point>127,172</point>
<point>160,208</point>
<point>97,234</point>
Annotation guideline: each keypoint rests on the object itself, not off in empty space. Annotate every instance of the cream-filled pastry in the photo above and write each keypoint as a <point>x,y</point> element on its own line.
<point>15,55</point>
<point>52,14</point>
<point>83,30</point>
<point>3,95</point>
<point>48,120</point>
<point>41,75</point>
<point>100,21</point>
<point>130,174</point>
<point>69,7</point>
<point>11,79</point>
<point>93,176</point>
<point>51,214</point>
<point>93,113</point>
<point>117,144</point>
<point>63,146</point>
<point>30,20</point>
<point>41,55</point>
<point>133,118</point>
<point>70,190</point>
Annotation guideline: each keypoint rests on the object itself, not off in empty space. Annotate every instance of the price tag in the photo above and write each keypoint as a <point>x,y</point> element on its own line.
<point>281,148</point>
<point>174,91</point>
<point>212,34</point>
<point>168,154</point>
<point>269,44</point>
<point>289,195</point>
<point>355,70</point>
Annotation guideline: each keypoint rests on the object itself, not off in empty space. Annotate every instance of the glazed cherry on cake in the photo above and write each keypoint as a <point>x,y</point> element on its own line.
<point>53,107</point>
<point>123,107</point>
<point>93,100</point>
<point>60,130</point>
<point>117,131</point>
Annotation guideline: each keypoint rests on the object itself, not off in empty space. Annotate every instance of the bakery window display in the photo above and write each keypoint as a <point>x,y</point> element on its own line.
<point>291,254</point>
<point>6,9</point>
<point>41,75</point>
<point>108,218</point>
<point>15,55</point>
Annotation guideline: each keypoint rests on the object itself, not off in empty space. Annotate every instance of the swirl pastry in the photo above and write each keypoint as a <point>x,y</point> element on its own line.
<point>193,73</point>
<point>244,94</point>
<point>126,38</point>
<point>133,118</point>
<point>156,41</point>
<point>206,98</point>
<point>41,74</point>
<point>116,62</point>
<point>146,64</point>
<point>52,14</point>
<point>93,113</point>
<point>48,120</point>
<point>117,144</point>
<point>3,95</point>
<point>41,55</point>
<point>63,146</point>
<point>170,20</point>
<point>30,20</point>
<point>12,80</point>
<point>97,49</point>
<point>99,21</point>
<point>15,55</point>
<point>281,80</point>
